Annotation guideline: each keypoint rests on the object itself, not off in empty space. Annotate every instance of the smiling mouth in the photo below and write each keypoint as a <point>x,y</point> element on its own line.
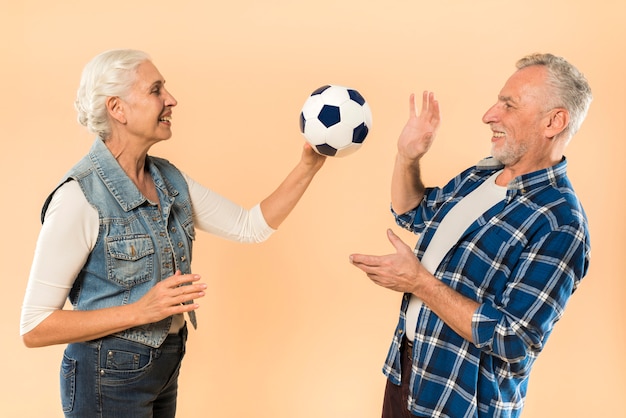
<point>167,119</point>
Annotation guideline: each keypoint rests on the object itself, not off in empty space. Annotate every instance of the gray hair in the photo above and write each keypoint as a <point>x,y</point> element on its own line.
<point>571,89</point>
<point>109,74</point>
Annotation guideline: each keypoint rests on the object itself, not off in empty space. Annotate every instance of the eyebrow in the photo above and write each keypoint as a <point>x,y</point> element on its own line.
<point>158,83</point>
<point>507,99</point>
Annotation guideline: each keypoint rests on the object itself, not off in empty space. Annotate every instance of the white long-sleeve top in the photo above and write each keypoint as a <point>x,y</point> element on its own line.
<point>71,228</point>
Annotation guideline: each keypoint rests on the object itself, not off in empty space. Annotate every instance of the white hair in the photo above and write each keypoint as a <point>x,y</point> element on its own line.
<point>109,74</point>
<point>570,87</point>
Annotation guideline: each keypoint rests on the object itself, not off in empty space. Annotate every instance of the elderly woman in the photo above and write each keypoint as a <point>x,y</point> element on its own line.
<point>117,240</point>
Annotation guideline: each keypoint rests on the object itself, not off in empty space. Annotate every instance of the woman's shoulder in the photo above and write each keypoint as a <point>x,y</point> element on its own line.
<point>68,197</point>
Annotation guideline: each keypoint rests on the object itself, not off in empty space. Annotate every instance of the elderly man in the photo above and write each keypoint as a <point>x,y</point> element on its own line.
<point>502,247</point>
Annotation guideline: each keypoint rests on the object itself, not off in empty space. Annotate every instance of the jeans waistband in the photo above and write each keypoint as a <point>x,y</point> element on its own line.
<point>173,342</point>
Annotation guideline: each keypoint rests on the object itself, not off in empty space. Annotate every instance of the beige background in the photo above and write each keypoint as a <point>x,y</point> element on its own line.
<point>289,329</point>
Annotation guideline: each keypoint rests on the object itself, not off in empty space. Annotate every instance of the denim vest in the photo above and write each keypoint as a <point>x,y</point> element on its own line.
<point>137,244</point>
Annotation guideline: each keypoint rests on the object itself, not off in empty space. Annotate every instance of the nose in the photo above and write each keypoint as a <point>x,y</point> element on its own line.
<point>169,99</point>
<point>491,115</point>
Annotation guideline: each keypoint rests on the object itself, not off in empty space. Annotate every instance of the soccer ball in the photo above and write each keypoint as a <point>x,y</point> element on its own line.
<point>335,120</point>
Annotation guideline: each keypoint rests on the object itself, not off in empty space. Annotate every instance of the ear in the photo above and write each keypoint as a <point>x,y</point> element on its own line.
<point>115,109</point>
<point>558,120</point>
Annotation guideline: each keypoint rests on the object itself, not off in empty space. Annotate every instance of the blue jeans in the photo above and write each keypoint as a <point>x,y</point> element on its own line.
<point>116,378</point>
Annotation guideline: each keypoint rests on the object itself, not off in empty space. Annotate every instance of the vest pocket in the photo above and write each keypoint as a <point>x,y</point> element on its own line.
<point>68,383</point>
<point>131,259</point>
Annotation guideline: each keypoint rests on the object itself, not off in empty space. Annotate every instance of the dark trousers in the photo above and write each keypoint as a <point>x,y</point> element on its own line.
<point>396,397</point>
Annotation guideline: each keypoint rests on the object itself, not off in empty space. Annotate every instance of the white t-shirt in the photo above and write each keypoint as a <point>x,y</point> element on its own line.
<point>448,233</point>
<point>71,228</point>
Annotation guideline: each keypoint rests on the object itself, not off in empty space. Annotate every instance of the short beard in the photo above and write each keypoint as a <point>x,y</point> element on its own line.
<point>509,155</point>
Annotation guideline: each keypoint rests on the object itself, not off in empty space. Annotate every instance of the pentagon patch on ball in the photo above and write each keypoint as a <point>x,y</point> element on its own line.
<point>335,120</point>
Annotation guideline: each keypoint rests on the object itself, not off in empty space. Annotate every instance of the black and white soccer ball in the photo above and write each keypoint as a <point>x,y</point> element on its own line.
<point>335,120</point>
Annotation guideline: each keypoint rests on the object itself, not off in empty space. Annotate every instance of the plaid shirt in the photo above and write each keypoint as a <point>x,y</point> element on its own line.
<point>521,260</point>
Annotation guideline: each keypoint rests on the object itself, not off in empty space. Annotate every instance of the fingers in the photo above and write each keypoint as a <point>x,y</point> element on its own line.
<point>426,97</point>
<point>429,104</point>
<point>181,287</point>
<point>411,105</point>
<point>307,148</point>
<point>428,114</point>
<point>186,293</point>
<point>311,157</point>
<point>363,261</point>
<point>395,240</point>
<point>434,110</point>
<point>171,296</point>
<point>179,279</point>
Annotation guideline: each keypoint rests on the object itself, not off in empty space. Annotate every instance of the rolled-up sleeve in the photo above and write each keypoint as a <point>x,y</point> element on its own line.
<point>519,322</point>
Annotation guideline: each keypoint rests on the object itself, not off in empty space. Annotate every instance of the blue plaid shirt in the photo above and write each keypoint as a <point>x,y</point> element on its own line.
<point>521,260</point>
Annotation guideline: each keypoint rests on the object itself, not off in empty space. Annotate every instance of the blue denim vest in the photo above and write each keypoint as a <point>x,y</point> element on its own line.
<point>137,244</point>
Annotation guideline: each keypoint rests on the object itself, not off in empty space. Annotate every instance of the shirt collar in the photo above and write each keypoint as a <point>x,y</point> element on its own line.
<point>529,181</point>
<point>116,180</point>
